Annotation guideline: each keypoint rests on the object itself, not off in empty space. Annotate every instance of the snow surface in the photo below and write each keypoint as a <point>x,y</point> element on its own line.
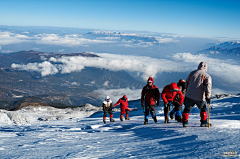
<point>82,134</point>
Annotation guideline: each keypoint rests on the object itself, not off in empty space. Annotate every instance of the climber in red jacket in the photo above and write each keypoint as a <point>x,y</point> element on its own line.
<point>124,107</point>
<point>172,93</point>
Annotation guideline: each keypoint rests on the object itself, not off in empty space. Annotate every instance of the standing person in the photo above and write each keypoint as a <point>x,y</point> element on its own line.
<point>181,84</point>
<point>124,107</point>
<point>151,95</point>
<point>172,93</point>
<point>107,108</point>
<point>198,86</point>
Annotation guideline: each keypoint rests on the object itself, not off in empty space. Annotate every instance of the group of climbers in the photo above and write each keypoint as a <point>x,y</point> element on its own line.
<point>195,90</point>
<point>107,108</point>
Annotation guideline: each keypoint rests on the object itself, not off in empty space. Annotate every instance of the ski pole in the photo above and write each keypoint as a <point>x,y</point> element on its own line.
<point>208,117</point>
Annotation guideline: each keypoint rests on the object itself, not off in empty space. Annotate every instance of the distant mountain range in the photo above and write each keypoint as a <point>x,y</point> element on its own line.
<point>223,45</point>
<point>221,51</point>
<point>226,49</point>
<point>69,89</point>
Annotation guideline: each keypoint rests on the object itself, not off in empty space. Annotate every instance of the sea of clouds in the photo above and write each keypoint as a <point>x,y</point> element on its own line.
<point>227,70</point>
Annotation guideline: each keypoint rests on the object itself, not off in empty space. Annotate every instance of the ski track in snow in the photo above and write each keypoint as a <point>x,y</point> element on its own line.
<point>88,137</point>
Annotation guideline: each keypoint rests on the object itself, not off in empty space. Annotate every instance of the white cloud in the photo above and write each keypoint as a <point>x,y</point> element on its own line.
<point>227,70</point>
<point>165,40</point>
<point>25,32</point>
<point>146,66</point>
<point>46,68</point>
<point>106,83</point>
<point>11,38</point>
<point>109,38</point>
<point>68,40</point>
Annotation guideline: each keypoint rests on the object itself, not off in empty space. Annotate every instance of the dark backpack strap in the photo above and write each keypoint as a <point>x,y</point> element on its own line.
<point>188,81</point>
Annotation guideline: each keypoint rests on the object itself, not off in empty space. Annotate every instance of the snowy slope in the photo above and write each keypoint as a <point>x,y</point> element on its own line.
<point>88,137</point>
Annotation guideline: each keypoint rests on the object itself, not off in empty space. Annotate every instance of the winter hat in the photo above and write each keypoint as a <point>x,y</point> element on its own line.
<point>181,80</point>
<point>107,97</point>
<point>150,79</point>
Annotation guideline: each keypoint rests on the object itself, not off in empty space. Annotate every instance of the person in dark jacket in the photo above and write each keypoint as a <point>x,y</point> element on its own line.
<point>181,84</point>
<point>151,96</point>
<point>172,93</point>
<point>107,108</point>
<point>124,107</point>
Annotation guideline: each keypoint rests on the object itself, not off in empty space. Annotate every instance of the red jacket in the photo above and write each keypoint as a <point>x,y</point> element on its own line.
<point>170,92</point>
<point>123,104</point>
<point>150,94</point>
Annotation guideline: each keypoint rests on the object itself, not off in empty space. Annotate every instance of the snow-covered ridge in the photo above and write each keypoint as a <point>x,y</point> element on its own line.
<point>113,33</point>
<point>222,96</point>
<point>31,114</point>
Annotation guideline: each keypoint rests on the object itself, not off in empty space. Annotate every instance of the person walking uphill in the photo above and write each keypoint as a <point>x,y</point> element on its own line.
<point>198,86</point>
<point>172,93</point>
<point>124,107</point>
<point>151,95</point>
<point>107,108</point>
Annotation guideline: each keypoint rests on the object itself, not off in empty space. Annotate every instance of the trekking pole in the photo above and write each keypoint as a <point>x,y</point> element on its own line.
<point>166,120</point>
<point>208,117</point>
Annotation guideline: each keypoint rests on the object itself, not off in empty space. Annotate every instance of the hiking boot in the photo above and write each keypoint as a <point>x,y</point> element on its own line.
<point>185,123</point>
<point>121,119</point>
<point>111,120</point>
<point>166,120</point>
<point>179,119</point>
<point>104,121</point>
<point>155,119</point>
<point>171,115</point>
<point>205,125</point>
<point>145,122</point>
<point>127,118</point>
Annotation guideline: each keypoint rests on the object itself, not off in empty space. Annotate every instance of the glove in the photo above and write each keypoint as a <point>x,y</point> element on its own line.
<point>208,100</point>
<point>142,105</point>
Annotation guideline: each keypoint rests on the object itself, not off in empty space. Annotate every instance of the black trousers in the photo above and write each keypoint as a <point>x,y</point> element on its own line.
<point>189,104</point>
<point>151,109</point>
<point>105,112</point>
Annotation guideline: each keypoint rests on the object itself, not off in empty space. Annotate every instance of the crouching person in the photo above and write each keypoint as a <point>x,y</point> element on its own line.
<point>172,93</point>
<point>124,107</point>
<point>198,86</point>
<point>107,108</point>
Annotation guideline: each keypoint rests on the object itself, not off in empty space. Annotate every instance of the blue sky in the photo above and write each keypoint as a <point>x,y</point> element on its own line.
<point>203,18</point>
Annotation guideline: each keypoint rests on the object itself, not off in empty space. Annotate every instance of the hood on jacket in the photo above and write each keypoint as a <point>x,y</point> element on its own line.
<point>124,98</point>
<point>202,66</point>
<point>174,87</point>
<point>150,79</point>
